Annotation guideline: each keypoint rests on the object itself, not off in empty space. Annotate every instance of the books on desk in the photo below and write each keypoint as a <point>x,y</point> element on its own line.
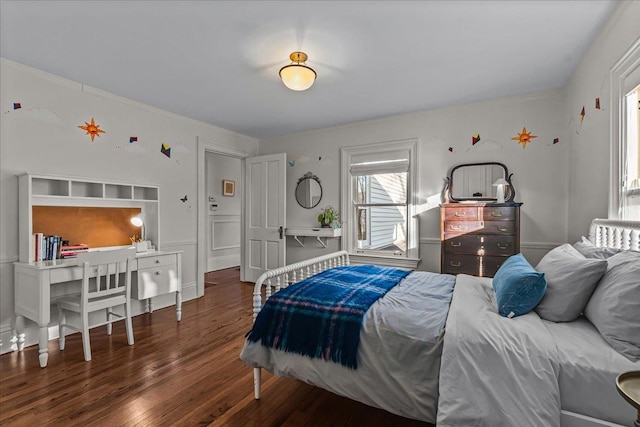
<point>51,247</point>
<point>71,251</point>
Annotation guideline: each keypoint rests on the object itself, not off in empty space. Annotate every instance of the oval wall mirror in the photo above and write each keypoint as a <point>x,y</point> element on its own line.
<point>308,191</point>
<point>476,181</point>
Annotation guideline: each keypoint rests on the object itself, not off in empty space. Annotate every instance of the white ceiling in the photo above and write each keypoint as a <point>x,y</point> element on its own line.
<point>218,61</point>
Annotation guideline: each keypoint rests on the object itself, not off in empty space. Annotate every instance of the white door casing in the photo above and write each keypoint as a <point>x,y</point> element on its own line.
<point>265,215</point>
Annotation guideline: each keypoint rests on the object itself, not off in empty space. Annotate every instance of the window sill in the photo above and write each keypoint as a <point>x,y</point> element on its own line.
<point>406,263</point>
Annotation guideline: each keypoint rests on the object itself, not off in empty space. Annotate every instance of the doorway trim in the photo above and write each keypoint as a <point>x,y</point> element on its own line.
<point>207,146</point>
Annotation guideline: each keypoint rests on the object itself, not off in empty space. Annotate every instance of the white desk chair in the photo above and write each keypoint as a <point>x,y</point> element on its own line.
<point>102,289</point>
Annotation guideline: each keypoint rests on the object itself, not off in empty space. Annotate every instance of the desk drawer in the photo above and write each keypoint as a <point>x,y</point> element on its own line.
<point>481,245</point>
<point>155,281</point>
<point>156,261</point>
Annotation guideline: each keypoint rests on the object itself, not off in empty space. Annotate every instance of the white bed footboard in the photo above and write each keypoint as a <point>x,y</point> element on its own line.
<point>278,278</point>
<point>618,234</point>
<point>282,277</point>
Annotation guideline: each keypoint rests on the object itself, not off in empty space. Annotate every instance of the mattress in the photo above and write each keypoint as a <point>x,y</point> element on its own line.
<point>398,356</point>
<point>588,370</point>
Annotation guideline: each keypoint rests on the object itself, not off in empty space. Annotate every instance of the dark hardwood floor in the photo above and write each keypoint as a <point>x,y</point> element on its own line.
<point>185,373</point>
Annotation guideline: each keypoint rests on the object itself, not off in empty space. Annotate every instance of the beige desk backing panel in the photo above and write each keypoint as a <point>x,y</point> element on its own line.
<point>96,227</point>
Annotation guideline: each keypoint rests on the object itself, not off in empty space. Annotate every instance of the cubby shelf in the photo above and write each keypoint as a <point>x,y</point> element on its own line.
<point>51,190</point>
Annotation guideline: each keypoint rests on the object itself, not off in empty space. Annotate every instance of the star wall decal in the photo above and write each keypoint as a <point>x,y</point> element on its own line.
<point>524,137</point>
<point>92,129</point>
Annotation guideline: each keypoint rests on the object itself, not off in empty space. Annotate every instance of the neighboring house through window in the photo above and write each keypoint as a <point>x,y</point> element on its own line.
<point>624,202</point>
<point>379,199</point>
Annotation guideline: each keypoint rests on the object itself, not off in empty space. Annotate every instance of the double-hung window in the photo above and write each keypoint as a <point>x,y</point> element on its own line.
<point>378,199</point>
<point>624,202</point>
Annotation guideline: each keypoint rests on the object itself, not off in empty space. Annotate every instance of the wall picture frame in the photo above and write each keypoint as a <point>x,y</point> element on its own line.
<point>228,188</point>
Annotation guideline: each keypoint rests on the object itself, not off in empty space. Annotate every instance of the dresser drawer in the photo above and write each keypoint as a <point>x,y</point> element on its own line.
<point>495,213</point>
<point>155,281</point>
<point>461,213</point>
<point>455,228</point>
<point>156,261</point>
<point>499,227</point>
<point>481,245</point>
<point>482,266</point>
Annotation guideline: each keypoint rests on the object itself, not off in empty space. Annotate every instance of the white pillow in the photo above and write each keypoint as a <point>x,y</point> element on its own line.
<point>614,307</point>
<point>589,250</point>
<point>571,279</point>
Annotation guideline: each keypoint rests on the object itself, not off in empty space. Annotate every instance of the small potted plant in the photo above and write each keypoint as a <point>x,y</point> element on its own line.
<point>329,217</point>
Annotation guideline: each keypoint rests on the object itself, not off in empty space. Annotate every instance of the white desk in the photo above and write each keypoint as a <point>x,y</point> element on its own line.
<point>156,273</point>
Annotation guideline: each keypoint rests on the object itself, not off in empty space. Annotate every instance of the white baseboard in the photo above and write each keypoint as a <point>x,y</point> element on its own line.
<point>7,338</point>
<point>222,262</point>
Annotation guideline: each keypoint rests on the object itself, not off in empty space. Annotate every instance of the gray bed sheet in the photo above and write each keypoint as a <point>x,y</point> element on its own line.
<point>398,357</point>
<point>588,370</point>
<point>495,371</point>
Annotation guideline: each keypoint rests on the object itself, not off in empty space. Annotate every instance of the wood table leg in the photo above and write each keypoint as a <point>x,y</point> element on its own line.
<point>20,338</point>
<point>179,305</point>
<point>43,343</point>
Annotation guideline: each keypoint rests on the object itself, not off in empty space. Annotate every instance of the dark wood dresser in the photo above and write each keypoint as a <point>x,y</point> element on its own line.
<point>477,237</point>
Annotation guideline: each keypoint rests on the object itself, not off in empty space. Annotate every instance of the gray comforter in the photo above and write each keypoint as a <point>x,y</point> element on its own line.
<point>398,357</point>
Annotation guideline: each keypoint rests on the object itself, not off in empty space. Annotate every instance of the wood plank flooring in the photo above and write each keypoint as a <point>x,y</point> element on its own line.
<point>184,374</point>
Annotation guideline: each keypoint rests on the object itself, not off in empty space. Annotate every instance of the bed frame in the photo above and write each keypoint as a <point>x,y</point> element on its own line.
<point>617,234</point>
<point>278,278</point>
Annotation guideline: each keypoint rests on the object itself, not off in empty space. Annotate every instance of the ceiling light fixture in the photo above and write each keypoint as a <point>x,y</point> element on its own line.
<point>297,76</point>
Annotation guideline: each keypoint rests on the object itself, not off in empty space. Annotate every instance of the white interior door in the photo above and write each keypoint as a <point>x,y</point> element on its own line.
<point>265,215</point>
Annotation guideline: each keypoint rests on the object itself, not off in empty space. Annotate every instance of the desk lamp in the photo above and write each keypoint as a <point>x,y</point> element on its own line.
<point>501,183</point>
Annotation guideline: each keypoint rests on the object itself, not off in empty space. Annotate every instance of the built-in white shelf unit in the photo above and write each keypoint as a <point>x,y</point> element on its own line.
<point>318,233</point>
<point>52,190</point>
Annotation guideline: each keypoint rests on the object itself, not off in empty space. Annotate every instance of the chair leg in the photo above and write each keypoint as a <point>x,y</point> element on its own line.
<point>109,326</point>
<point>86,344</point>
<point>128,323</point>
<point>62,320</point>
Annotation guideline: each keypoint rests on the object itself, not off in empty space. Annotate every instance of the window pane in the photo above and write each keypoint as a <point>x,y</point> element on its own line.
<point>630,184</point>
<point>382,229</point>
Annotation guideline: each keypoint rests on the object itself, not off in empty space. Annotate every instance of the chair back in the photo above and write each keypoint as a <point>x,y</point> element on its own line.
<point>102,270</point>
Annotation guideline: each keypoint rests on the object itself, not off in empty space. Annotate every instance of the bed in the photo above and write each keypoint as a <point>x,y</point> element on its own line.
<point>434,348</point>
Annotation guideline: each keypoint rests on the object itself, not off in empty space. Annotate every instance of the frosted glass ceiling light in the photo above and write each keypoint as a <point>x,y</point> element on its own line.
<point>297,76</point>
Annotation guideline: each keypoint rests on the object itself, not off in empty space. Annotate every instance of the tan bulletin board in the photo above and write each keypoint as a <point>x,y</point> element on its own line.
<point>95,227</point>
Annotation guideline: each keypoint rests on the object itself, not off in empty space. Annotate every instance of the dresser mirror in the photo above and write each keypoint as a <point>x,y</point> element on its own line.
<point>477,182</point>
<point>308,191</point>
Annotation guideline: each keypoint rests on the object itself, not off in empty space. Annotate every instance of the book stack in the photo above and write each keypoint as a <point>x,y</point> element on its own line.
<point>46,247</point>
<point>71,251</point>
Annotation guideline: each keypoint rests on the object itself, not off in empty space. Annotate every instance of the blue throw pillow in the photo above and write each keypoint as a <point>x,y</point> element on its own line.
<point>519,287</point>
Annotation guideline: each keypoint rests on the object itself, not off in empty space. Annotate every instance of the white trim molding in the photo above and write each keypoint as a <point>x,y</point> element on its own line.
<point>627,65</point>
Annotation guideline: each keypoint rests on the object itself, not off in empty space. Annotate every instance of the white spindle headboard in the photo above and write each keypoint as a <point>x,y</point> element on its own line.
<point>619,234</point>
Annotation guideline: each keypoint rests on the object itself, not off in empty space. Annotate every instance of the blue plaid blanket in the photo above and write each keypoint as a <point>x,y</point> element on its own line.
<point>321,316</point>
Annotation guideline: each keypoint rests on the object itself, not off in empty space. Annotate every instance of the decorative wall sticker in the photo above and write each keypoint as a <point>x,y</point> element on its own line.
<point>166,150</point>
<point>92,129</point>
<point>524,137</point>
<point>484,145</point>
<point>582,114</point>
<point>597,103</point>
<point>292,163</point>
<point>180,148</point>
<point>133,139</point>
<point>35,113</point>
<point>184,199</point>
<point>451,149</point>
<point>16,105</point>
<point>475,139</point>
<point>556,140</point>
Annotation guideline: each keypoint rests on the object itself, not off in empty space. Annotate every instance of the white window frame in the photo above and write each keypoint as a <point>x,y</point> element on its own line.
<point>349,237</point>
<point>624,76</point>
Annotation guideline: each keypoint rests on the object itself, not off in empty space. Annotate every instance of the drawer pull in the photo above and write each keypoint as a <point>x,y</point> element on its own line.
<point>496,214</point>
<point>158,273</point>
<point>455,264</point>
<point>463,213</point>
<point>503,228</point>
<point>501,246</point>
<point>157,261</point>
<point>455,227</point>
<point>456,244</point>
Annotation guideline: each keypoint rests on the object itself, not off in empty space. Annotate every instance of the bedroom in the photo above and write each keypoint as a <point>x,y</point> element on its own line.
<point>563,186</point>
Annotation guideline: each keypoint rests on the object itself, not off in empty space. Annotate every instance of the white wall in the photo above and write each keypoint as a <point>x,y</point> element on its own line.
<point>589,159</point>
<point>223,238</point>
<point>540,170</point>
<point>43,137</point>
